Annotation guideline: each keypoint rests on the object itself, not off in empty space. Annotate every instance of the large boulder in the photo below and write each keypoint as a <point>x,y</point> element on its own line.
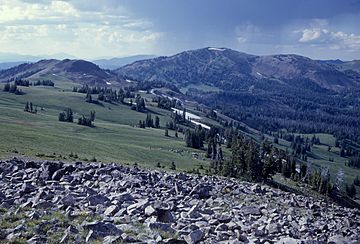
<point>101,229</point>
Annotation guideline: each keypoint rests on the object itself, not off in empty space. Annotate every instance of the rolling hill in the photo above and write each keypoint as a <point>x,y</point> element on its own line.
<point>114,63</point>
<point>78,71</point>
<point>269,93</point>
<point>229,69</point>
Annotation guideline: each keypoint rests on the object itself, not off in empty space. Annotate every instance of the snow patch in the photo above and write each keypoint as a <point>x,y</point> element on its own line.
<point>191,117</point>
<point>216,49</point>
<point>129,81</point>
<point>108,83</point>
<point>202,125</point>
<point>187,114</point>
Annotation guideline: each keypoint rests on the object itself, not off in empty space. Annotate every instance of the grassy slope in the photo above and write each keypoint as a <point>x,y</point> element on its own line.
<point>113,139</point>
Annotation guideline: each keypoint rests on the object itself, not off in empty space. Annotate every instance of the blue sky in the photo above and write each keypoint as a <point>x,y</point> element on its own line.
<point>320,29</point>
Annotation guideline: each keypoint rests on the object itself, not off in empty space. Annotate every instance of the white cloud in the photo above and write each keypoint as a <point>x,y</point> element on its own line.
<point>330,38</point>
<point>310,35</point>
<point>45,27</point>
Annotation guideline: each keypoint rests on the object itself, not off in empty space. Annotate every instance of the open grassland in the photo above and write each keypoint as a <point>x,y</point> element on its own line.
<point>114,137</point>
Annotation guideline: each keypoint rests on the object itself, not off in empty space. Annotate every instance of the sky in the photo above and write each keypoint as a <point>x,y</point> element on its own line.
<point>88,29</point>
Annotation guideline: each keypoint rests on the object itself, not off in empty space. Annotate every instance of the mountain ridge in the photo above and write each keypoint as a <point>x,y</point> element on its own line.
<point>217,66</point>
<point>79,71</point>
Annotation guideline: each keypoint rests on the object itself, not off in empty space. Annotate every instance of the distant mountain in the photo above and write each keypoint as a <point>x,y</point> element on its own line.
<point>228,69</point>
<point>332,61</point>
<point>78,71</point>
<point>14,57</point>
<point>268,93</point>
<point>350,65</point>
<point>115,63</point>
<point>8,65</point>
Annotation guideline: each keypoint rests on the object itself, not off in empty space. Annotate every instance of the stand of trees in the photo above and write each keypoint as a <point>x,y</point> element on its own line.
<point>66,116</point>
<point>195,138</point>
<point>140,104</point>
<point>27,83</point>
<point>166,103</point>
<point>30,108</point>
<point>44,83</point>
<point>104,93</point>
<point>12,88</point>
<point>149,122</point>
<point>85,120</point>
<point>354,161</point>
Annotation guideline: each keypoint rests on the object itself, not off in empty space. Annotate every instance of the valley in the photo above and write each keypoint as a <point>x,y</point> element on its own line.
<point>218,118</point>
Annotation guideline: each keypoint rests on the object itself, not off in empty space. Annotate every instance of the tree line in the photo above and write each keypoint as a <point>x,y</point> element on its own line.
<point>12,88</point>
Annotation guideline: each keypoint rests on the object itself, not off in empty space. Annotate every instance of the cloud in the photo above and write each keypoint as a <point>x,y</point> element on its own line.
<point>330,38</point>
<point>37,27</point>
<point>310,35</point>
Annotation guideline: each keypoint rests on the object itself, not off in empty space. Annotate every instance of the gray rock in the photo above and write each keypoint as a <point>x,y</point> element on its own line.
<point>224,218</point>
<point>202,191</point>
<point>149,210</point>
<point>221,227</point>
<point>101,229</point>
<point>68,200</point>
<point>194,236</point>
<point>58,174</point>
<point>162,226</point>
<point>27,188</point>
<point>194,212</point>
<point>288,240</point>
<point>251,210</point>
<point>111,211</point>
<point>98,199</point>
<point>338,239</point>
<point>112,239</point>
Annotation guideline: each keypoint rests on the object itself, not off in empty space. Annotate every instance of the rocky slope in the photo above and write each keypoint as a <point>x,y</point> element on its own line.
<point>58,202</point>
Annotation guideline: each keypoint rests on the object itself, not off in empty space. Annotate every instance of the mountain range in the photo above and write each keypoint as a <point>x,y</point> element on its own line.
<point>265,92</point>
<point>229,69</point>
<point>114,63</point>
<point>269,93</point>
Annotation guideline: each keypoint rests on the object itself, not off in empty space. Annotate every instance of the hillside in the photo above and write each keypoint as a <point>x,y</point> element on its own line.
<point>115,63</point>
<point>78,71</point>
<point>351,65</point>
<point>269,93</point>
<point>90,202</point>
<point>226,68</point>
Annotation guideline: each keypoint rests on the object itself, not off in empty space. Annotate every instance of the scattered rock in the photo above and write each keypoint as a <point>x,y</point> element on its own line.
<point>137,205</point>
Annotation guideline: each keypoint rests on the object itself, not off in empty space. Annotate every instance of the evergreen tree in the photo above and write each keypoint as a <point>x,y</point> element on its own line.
<point>92,115</point>
<point>88,98</point>
<point>6,87</point>
<point>157,122</point>
<point>27,107</point>
<point>269,166</point>
<point>13,88</point>
<point>62,116</point>
<point>350,190</point>
<point>357,181</point>
<point>149,121</point>
<point>173,166</point>
<point>69,115</point>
